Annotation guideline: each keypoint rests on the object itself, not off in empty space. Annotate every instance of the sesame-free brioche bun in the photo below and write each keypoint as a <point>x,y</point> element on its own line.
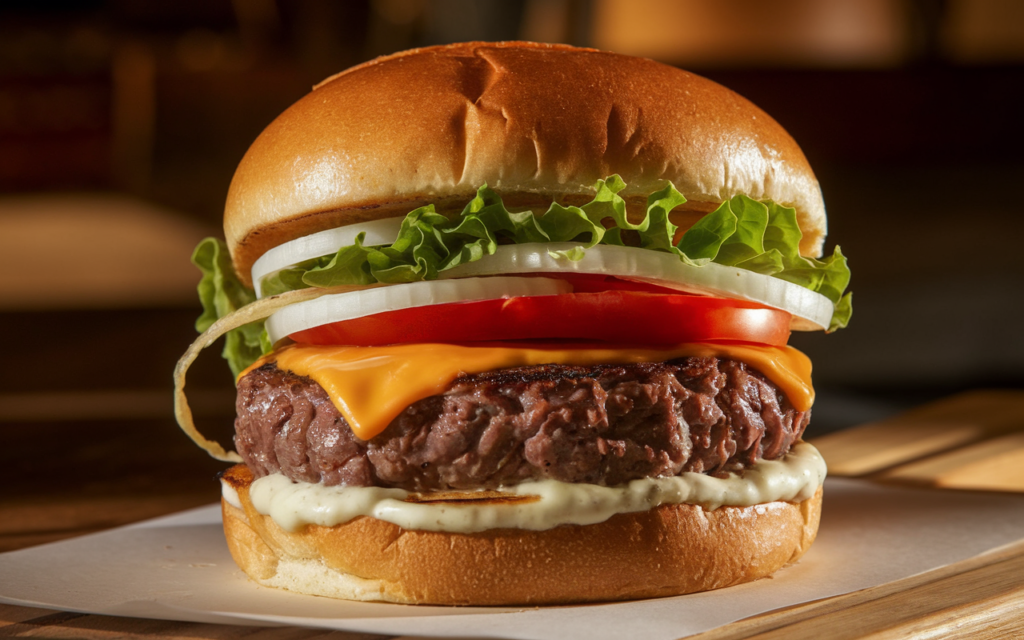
<point>533,121</point>
<point>669,550</point>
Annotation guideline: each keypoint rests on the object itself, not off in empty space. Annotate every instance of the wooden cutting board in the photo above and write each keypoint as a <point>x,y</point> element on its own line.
<point>973,440</point>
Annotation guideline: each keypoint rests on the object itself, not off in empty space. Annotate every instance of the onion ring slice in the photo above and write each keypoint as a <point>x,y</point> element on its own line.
<point>322,243</point>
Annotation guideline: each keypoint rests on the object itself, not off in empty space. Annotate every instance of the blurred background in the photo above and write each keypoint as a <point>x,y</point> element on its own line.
<point>121,122</point>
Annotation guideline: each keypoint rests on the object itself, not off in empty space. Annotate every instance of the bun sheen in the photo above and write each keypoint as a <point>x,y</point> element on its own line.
<point>533,121</point>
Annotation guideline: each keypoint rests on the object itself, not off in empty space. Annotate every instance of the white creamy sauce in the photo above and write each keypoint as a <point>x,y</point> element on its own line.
<point>230,495</point>
<point>292,505</point>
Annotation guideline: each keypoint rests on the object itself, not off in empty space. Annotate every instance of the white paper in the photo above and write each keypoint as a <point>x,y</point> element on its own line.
<point>178,567</point>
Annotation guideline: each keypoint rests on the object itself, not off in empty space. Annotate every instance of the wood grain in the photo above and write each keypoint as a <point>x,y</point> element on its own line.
<point>971,595</point>
<point>946,427</point>
<point>992,465</point>
<point>83,477</point>
<point>53,518</point>
<point>26,622</point>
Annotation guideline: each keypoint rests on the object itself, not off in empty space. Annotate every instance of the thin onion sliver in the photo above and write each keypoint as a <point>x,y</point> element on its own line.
<point>253,312</point>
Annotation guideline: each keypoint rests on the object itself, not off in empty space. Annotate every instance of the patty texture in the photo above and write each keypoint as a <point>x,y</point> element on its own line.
<point>605,424</point>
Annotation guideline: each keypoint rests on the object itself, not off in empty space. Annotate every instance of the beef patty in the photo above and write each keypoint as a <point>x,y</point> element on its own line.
<point>605,424</point>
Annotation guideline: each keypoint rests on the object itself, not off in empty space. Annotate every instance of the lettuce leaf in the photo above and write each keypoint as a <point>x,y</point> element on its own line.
<point>221,292</point>
<point>764,237</point>
<point>748,240</point>
<point>761,236</point>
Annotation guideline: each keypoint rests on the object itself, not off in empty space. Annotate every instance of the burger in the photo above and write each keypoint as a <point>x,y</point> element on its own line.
<point>508,323</point>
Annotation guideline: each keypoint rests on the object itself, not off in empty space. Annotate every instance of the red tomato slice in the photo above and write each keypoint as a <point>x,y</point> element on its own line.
<point>618,316</point>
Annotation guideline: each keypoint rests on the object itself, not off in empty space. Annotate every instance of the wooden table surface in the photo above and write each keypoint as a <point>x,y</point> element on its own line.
<point>143,468</point>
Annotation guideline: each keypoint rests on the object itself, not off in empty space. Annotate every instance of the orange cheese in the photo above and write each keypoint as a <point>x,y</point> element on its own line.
<point>371,386</point>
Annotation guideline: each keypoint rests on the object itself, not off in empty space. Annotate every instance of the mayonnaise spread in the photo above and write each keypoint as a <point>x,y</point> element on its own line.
<point>293,505</point>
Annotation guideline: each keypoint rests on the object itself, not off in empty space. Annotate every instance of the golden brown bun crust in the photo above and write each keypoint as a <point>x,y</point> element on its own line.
<point>670,550</point>
<point>434,124</point>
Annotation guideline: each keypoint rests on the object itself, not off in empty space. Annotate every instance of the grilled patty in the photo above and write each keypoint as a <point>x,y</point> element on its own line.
<point>605,424</point>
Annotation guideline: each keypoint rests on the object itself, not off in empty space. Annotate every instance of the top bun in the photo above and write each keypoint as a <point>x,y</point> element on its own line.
<point>530,120</point>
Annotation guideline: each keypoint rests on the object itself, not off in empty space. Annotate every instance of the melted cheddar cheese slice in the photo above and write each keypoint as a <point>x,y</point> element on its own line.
<point>371,386</point>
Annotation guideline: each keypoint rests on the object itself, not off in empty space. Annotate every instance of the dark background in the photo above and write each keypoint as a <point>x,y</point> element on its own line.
<point>121,122</point>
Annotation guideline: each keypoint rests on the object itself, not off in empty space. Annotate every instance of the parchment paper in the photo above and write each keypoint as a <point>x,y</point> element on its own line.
<point>178,567</point>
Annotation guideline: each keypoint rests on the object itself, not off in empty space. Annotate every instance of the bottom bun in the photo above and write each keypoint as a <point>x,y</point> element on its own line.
<point>668,550</point>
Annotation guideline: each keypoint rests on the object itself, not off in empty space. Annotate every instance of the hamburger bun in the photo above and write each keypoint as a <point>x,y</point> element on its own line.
<point>433,124</point>
<point>669,550</point>
<point>615,421</point>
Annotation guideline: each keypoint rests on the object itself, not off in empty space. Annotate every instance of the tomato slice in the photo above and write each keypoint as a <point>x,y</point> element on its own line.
<point>619,316</point>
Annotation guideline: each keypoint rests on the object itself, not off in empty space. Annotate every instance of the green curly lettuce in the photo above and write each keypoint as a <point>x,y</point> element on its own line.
<point>760,236</point>
<point>221,292</point>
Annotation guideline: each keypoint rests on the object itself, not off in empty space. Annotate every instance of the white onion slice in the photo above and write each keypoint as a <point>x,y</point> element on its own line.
<point>811,311</point>
<point>323,243</point>
<point>356,304</point>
